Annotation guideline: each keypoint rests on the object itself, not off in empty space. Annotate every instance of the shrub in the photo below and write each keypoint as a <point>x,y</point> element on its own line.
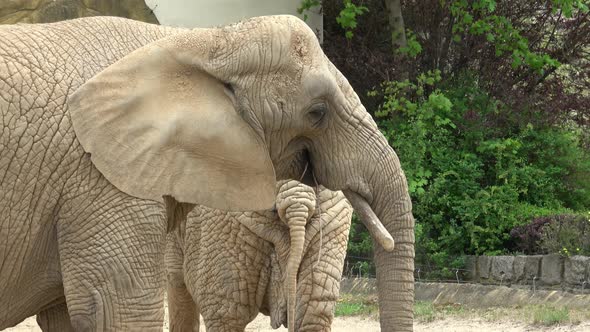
<point>472,183</point>
<point>490,131</point>
<point>359,253</point>
<point>567,235</point>
<point>527,237</point>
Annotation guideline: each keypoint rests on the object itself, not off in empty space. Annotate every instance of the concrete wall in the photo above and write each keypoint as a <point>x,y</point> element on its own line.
<point>542,271</point>
<point>47,11</point>
<point>474,295</point>
<point>180,13</point>
<point>484,296</point>
<point>207,13</point>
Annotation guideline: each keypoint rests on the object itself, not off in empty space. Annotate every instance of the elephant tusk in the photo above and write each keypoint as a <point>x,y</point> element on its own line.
<point>378,232</point>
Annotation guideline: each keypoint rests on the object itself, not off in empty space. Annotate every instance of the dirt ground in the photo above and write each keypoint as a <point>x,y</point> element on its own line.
<point>356,324</point>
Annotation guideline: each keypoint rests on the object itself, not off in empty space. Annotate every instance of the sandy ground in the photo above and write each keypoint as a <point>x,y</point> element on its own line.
<point>459,325</point>
<point>356,324</point>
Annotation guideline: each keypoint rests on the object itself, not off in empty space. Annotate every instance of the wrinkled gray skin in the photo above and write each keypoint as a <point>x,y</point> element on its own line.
<point>69,233</point>
<point>238,264</point>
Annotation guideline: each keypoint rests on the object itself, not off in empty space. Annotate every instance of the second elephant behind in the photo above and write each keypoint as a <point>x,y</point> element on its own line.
<point>236,265</point>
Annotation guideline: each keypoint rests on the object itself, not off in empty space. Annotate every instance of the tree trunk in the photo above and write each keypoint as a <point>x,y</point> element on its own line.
<point>398,31</point>
<point>396,24</point>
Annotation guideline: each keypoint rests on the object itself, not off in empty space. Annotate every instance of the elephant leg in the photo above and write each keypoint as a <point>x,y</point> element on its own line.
<point>221,326</point>
<point>55,319</point>
<point>183,313</point>
<point>111,257</point>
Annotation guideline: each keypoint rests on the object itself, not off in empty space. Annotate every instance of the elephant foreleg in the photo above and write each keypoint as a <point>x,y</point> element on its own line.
<point>55,319</point>
<point>183,313</point>
<point>111,255</point>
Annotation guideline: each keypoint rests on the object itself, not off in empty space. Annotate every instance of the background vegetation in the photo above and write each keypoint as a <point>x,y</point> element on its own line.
<point>487,104</point>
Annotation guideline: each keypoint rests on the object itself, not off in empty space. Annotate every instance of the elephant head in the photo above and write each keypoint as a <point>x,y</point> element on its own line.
<point>215,116</point>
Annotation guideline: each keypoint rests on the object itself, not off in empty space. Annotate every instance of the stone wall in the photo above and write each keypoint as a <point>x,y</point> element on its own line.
<point>176,13</point>
<point>542,271</point>
<point>47,11</point>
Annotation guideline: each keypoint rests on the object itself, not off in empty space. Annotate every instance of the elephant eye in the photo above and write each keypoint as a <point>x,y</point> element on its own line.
<point>316,113</point>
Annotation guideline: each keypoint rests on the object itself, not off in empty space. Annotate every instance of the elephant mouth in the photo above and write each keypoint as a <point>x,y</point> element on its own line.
<point>302,168</point>
<point>307,174</point>
<point>359,203</point>
<point>296,163</point>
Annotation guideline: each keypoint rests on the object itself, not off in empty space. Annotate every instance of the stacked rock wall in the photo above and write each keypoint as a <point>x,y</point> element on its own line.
<point>48,11</point>
<point>541,271</point>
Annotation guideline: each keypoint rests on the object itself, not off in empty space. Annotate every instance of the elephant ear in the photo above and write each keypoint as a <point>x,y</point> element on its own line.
<point>157,123</point>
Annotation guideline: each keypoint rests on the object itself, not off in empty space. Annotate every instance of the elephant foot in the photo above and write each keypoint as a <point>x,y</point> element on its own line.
<point>55,319</point>
<point>218,326</point>
<point>183,314</point>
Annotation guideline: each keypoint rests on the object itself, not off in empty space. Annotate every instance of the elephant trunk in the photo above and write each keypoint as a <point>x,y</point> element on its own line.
<point>296,204</point>
<point>297,234</point>
<point>389,211</point>
<point>358,160</point>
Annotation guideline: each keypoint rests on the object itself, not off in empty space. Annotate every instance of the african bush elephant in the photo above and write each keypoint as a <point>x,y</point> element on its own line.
<point>277,262</point>
<point>104,119</point>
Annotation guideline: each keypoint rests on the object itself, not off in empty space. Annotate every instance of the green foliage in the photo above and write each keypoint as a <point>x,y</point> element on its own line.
<point>307,5</point>
<point>569,6</point>
<point>360,249</point>
<point>472,183</point>
<point>413,47</point>
<point>424,311</point>
<point>349,309</point>
<point>548,315</point>
<point>360,243</point>
<point>478,126</point>
<point>428,113</point>
<point>567,235</point>
<point>477,18</point>
<point>349,305</point>
<point>348,17</point>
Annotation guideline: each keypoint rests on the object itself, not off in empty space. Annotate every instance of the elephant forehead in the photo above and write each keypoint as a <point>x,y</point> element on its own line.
<point>285,42</point>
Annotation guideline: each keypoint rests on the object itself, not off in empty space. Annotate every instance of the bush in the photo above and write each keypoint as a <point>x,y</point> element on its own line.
<point>491,131</point>
<point>527,237</point>
<point>472,183</point>
<point>359,253</point>
<point>567,235</point>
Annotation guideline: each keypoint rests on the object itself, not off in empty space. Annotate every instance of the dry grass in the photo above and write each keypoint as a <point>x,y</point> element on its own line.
<point>544,315</point>
<point>425,312</point>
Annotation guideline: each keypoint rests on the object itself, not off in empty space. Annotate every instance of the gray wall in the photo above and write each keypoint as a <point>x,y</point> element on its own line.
<point>207,13</point>
<point>543,271</point>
